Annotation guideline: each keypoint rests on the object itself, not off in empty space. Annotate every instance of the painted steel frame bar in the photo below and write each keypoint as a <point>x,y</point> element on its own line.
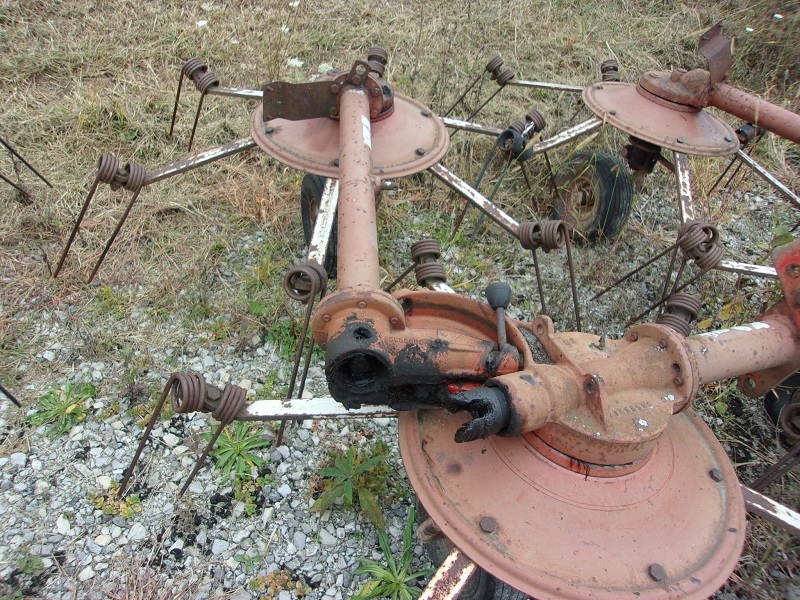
<point>326,217</point>
<point>687,211</point>
<point>769,178</point>
<point>470,126</point>
<point>199,160</point>
<point>546,85</point>
<point>235,92</point>
<point>450,579</point>
<point>308,408</point>
<point>759,504</point>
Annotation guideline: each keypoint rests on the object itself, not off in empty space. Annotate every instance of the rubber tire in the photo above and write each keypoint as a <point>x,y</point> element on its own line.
<point>482,585</point>
<point>606,187</point>
<point>310,196</point>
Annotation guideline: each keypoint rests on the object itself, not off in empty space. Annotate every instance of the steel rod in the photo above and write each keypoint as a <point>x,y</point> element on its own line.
<point>470,194</point>
<point>764,507</point>
<point>199,160</point>
<point>769,178</point>
<point>230,92</point>
<point>10,396</point>
<point>25,162</point>
<point>20,189</point>
<point>323,226</point>
<point>470,126</point>
<point>546,85</point>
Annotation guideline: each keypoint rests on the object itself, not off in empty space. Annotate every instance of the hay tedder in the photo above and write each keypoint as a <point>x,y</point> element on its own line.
<point>550,464</point>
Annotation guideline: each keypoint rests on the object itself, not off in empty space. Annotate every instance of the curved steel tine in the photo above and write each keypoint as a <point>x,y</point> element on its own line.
<point>196,119</point>
<point>175,108</point>
<point>200,461</point>
<point>145,437</point>
<point>10,396</point>
<point>77,226</point>
<point>25,162</point>
<point>113,237</point>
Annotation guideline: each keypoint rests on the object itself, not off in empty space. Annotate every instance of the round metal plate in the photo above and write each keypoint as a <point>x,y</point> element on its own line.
<point>561,534</point>
<point>701,133</point>
<point>412,139</point>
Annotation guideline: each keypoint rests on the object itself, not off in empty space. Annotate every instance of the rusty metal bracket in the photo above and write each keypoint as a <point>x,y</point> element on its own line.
<point>787,264</point>
<point>717,49</point>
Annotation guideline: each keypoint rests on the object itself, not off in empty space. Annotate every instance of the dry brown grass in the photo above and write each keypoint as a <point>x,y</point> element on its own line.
<point>82,78</point>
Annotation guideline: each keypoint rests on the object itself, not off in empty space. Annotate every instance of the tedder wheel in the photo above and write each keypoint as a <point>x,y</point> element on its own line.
<point>310,196</point>
<point>482,585</point>
<point>595,194</point>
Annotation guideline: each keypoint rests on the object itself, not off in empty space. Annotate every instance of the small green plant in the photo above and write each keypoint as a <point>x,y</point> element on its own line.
<point>108,301</point>
<point>393,579</point>
<point>30,565</point>
<point>110,503</point>
<point>246,491</point>
<point>356,475</point>
<point>235,451</point>
<point>249,562</point>
<point>63,408</point>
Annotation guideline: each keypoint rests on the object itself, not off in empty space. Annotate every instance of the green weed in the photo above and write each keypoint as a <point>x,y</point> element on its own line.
<point>392,580</point>
<point>110,503</point>
<point>356,475</point>
<point>30,565</point>
<point>235,451</point>
<point>249,562</point>
<point>63,408</point>
<point>108,301</point>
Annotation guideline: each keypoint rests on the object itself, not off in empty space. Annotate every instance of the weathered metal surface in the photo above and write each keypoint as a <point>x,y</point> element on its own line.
<point>231,92</point>
<point>412,139</point>
<point>760,505</point>
<point>470,126</point>
<point>358,231</point>
<point>199,160</point>
<point>769,178</point>
<point>308,408</point>
<point>470,194</point>
<point>450,579</point>
<point>717,50</point>
<point>546,85</point>
<point>326,218</point>
<point>757,111</point>
<point>621,105</point>
<point>683,178</point>
<point>298,101</point>
<point>562,534</point>
<point>747,269</point>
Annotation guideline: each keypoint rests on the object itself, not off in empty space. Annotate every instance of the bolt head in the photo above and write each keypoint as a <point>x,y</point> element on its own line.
<point>633,336</point>
<point>488,524</point>
<point>326,318</point>
<point>362,304</point>
<point>716,475</point>
<point>426,113</point>
<point>269,130</point>
<point>794,271</point>
<point>681,140</point>
<point>356,79</point>
<point>335,88</point>
<point>728,138</point>
<point>750,383</point>
<point>656,572</point>
<point>375,92</point>
<point>612,112</point>
<point>662,344</point>
<point>678,381</point>
<point>420,151</point>
<point>394,321</point>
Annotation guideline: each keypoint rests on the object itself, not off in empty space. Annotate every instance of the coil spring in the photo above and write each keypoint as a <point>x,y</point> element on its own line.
<point>198,72</point>
<point>503,77</point>
<point>610,70</point>
<point>547,235</point>
<point>377,54</point>
<point>493,66</point>
<point>680,310</point>
<point>305,281</point>
<point>698,242</point>
<point>432,270</point>
<point>425,247</point>
<point>187,393</point>
<point>233,397</point>
<point>131,177</point>
<point>537,118</point>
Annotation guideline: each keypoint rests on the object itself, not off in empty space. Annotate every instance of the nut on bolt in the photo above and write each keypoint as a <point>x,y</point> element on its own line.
<point>656,572</point>
<point>488,524</point>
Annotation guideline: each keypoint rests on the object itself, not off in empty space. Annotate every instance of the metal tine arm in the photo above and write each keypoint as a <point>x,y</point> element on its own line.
<point>10,396</point>
<point>133,178</point>
<point>203,79</point>
<point>491,67</point>
<point>25,162</point>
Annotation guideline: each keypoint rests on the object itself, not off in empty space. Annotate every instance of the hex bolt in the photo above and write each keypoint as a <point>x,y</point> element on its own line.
<point>662,344</point>
<point>326,318</point>
<point>426,113</point>
<point>656,572</point>
<point>612,112</point>
<point>633,336</point>
<point>681,140</point>
<point>356,79</point>
<point>488,524</point>
<point>335,162</point>
<point>728,138</point>
<point>750,383</point>
<point>678,381</point>
<point>375,92</point>
<point>715,475</point>
<point>394,321</point>
<point>420,151</point>
<point>794,270</point>
<point>334,89</point>
<point>269,130</point>
<point>362,304</point>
